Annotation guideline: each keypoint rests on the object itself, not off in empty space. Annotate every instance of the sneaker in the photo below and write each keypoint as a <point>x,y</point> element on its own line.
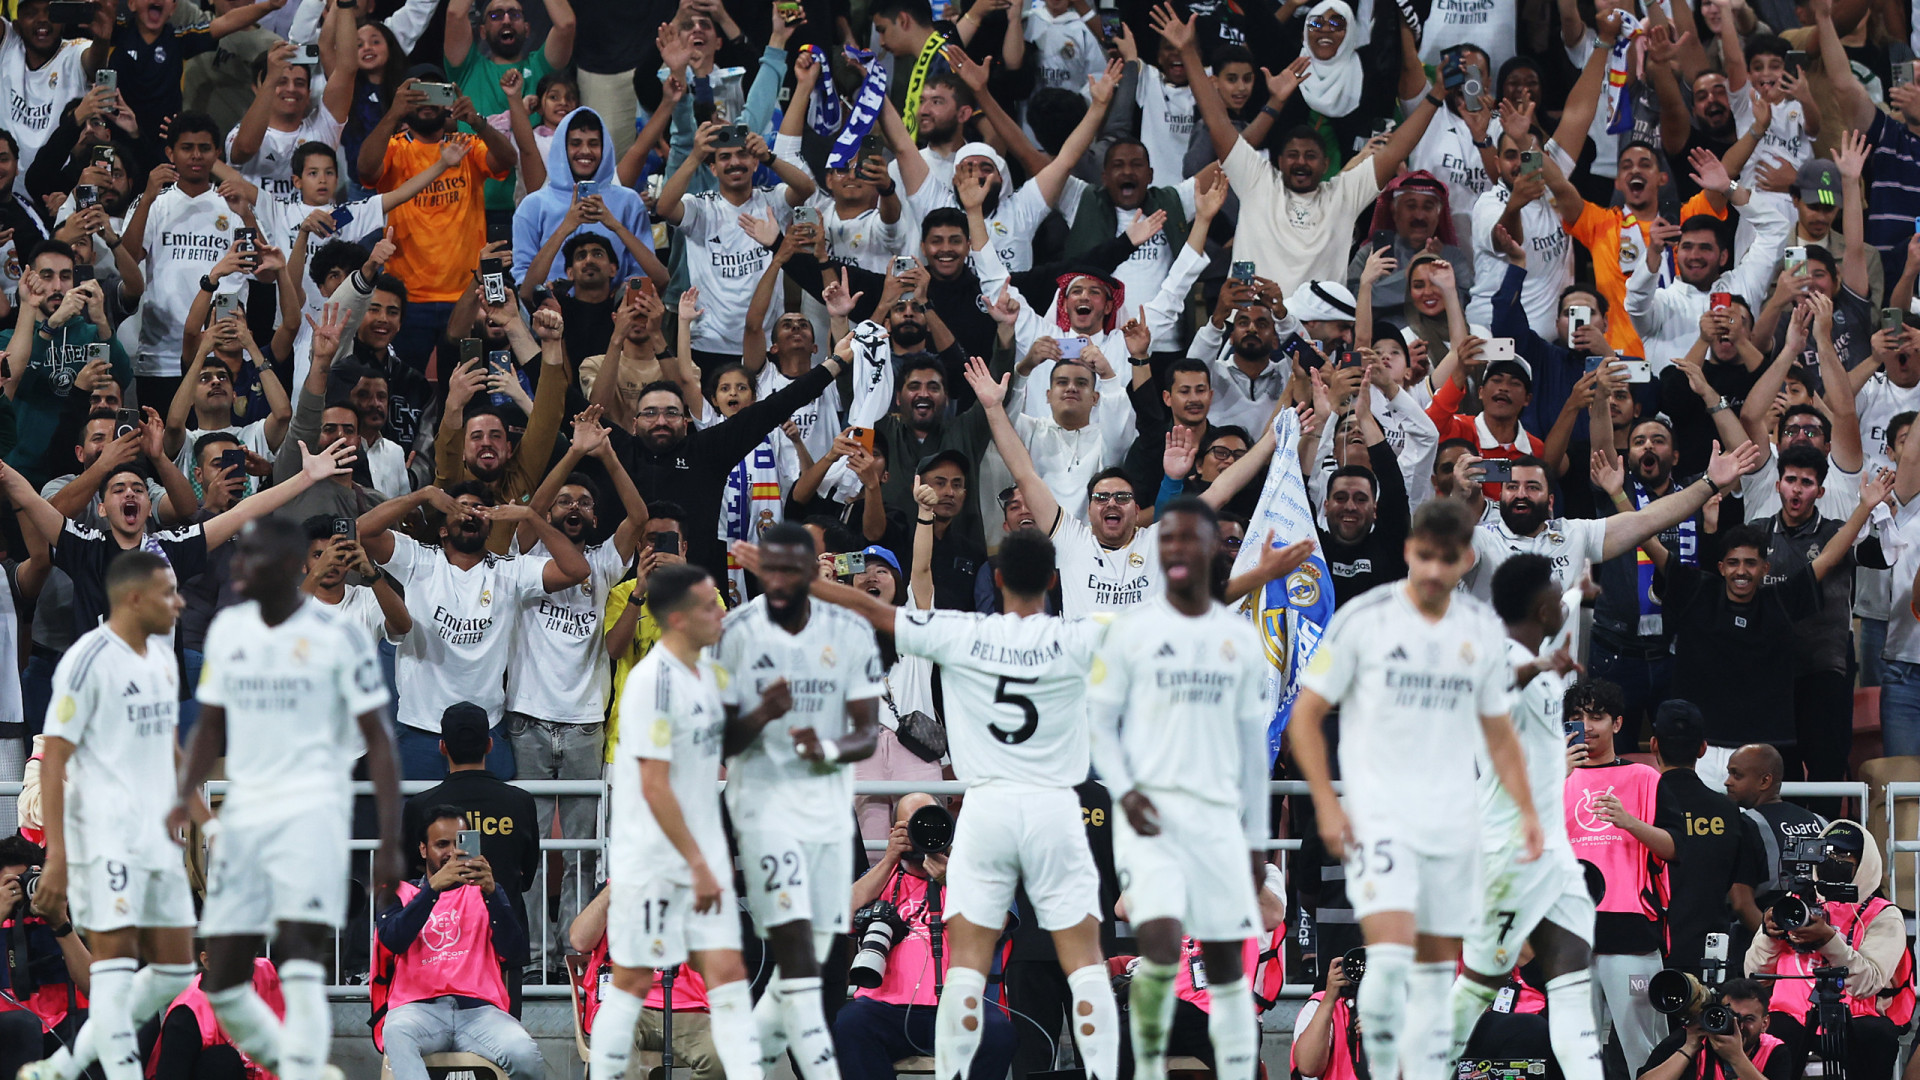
<point>37,1070</point>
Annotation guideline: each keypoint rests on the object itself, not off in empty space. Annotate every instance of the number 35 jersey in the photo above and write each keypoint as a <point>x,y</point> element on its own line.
<point>1015,690</point>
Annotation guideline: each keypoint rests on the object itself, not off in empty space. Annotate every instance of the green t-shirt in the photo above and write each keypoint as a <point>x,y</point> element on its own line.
<point>479,78</point>
<point>46,394</point>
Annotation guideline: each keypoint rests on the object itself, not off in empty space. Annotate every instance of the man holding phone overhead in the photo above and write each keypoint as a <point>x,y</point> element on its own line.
<point>54,347</point>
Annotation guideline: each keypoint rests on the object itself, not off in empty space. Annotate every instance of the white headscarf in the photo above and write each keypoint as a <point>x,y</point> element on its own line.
<point>1332,87</point>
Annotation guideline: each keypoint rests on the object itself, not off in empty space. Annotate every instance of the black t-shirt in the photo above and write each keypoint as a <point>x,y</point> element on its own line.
<point>1715,847</point>
<point>1780,824</point>
<point>589,326</point>
<point>1779,1064</point>
<point>956,561</point>
<point>1693,429</point>
<point>150,74</point>
<point>1736,661</point>
<point>1380,555</point>
<point>1619,615</point>
<point>84,553</point>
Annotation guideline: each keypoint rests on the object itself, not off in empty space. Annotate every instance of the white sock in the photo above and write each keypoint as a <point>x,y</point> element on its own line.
<point>1234,1029</point>
<point>1150,1016</point>
<point>613,1032</point>
<point>1429,1025</point>
<point>110,997</point>
<point>1468,1000</point>
<point>1381,1002</point>
<point>156,986</point>
<point>249,1023</point>
<point>730,1009</point>
<point>771,1022</point>
<point>307,1032</point>
<point>1096,1021</point>
<point>68,1063</point>
<point>1571,1027</point>
<point>957,1023</point>
<point>806,1026</point>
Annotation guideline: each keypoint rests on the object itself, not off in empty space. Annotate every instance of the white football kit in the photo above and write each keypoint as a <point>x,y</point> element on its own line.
<point>293,696</point>
<point>1412,692</point>
<point>1016,713</point>
<point>1553,887</point>
<point>1180,715</point>
<point>793,817</point>
<point>669,712</point>
<point>1095,578</point>
<point>120,710</point>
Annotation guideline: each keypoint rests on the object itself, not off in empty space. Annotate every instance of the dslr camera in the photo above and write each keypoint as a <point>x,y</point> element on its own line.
<point>29,883</point>
<point>1676,993</point>
<point>1804,863</point>
<point>1353,964</point>
<point>879,926</point>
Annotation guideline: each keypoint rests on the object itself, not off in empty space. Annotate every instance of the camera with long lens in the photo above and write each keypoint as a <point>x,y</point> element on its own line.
<point>1676,993</point>
<point>1816,877</point>
<point>1353,964</point>
<point>29,883</point>
<point>930,831</point>
<point>878,927</point>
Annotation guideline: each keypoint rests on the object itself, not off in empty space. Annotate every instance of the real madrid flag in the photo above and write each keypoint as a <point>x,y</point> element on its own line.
<point>1292,612</point>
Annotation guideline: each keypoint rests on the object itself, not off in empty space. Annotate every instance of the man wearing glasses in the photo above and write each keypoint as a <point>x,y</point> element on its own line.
<point>506,42</point>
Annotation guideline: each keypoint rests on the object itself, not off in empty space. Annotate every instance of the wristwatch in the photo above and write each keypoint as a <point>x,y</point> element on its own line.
<point>1719,406</point>
<point>1484,144</point>
<point>206,284</point>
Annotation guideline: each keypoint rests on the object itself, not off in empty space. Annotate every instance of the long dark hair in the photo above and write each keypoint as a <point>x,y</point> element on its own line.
<point>360,119</point>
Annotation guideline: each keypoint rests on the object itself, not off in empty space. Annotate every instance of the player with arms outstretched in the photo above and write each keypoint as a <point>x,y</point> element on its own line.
<point>289,693</point>
<point>1015,687</point>
<point>668,903</point>
<point>790,783</point>
<point>1179,705</point>
<point>1416,668</point>
<point>1545,901</point>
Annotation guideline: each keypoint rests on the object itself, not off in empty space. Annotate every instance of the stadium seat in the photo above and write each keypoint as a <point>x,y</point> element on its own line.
<point>913,1066</point>
<point>454,1067</point>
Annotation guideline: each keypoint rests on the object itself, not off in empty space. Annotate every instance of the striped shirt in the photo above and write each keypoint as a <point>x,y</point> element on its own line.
<point>1896,191</point>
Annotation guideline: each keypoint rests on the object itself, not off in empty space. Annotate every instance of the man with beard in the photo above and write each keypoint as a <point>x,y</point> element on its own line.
<point>1834,429</point>
<point>670,460</point>
<point>1505,389</point>
<point>473,444</point>
<point>1185,400</point>
<point>1572,543</point>
<point>465,602</point>
<point>1104,212</point>
<point>957,557</point>
<point>590,299</point>
<point>1712,115</point>
<point>1240,345</point>
<point>557,674</point>
<point>1414,210</point>
<point>1668,317</point>
<point>47,347</point>
<point>206,393</point>
<point>1070,444</point>
<point>790,347</point>
<point>445,226</point>
<point>476,67</point>
<point>1366,507</point>
<point>41,73</point>
<point>946,107</point>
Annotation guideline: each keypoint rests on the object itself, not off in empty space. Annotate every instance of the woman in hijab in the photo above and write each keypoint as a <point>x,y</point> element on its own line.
<point>1350,80</point>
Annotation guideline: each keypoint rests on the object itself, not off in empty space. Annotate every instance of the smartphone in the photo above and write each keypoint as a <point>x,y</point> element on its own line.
<point>345,526</point>
<point>1639,371</point>
<point>1383,240</point>
<point>342,216</point>
<point>104,157</point>
<point>1344,358</point>
<point>101,352</point>
<point>849,563</point>
<point>586,189</point>
<point>1070,347</point>
<point>1795,258</point>
<point>470,350</point>
<point>1891,318</point>
<point>1452,75</point>
<point>1302,353</point>
<point>1242,271</point>
<point>1578,315</point>
<point>1796,62</point>
<point>500,362</point>
<point>1576,731</point>
<point>1497,350</point>
<point>902,264</point>
<point>1470,90</point>
<point>1110,23</point>
<point>863,436</point>
<point>86,196</point>
<point>1383,126</point>
<point>731,135</point>
<point>500,232</point>
<point>1903,73</point>
<point>439,94</point>
<point>668,542</point>
<point>789,12</point>
<point>305,56</point>
<point>469,842</point>
<point>1594,363</point>
<point>105,78</point>
<point>493,286</point>
<point>1496,471</point>
<point>246,239</point>
<point>82,272</point>
<point>224,304</point>
<point>70,12</point>
<point>235,459</point>
<point>806,215</point>
<point>126,420</point>
<point>1719,301</point>
<point>1532,162</point>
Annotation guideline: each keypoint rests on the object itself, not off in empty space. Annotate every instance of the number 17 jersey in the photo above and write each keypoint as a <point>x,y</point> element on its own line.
<point>1015,690</point>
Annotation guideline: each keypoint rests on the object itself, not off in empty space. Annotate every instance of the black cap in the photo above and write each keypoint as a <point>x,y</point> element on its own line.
<point>1845,836</point>
<point>426,73</point>
<point>965,463</point>
<point>463,728</point>
<point>1679,724</point>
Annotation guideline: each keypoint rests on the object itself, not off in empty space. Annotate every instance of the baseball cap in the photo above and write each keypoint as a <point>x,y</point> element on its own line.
<point>1818,183</point>
<point>426,73</point>
<point>1847,837</point>
<point>955,456</point>
<point>1516,367</point>
<point>463,728</point>
<point>875,551</point>
<point>1679,723</point>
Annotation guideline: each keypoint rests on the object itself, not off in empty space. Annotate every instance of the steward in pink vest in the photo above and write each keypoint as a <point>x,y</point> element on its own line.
<point>189,1031</point>
<point>1749,1053</point>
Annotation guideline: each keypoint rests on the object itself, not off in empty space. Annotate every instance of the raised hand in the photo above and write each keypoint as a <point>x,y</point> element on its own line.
<point>1004,308</point>
<point>689,307</point>
<point>336,460</point>
<point>1172,29</point>
<point>1852,158</point>
<point>1183,448</point>
<point>1138,338</point>
<point>1709,173</point>
<point>1607,471</point>
<point>991,392</point>
<point>1282,84</point>
<point>1144,225</point>
<point>840,303</point>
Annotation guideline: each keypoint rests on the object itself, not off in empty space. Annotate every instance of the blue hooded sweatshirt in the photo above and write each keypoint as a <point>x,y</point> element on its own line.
<point>540,212</point>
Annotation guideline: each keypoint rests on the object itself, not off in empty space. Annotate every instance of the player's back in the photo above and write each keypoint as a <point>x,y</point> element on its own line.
<point>1411,693</point>
<point>120,711</point>
<point>1015,691</point>
<point>292,694</point>
<point>673,713</point>
<point>1537,708</point>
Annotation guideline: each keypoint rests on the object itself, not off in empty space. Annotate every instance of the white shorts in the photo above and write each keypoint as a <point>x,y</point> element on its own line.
<point>106,894</point>
<point>1198,870</point>
<point>1441,890</point>
<point>265,869</point>
<point>1520,896</point>
<point>789,879</point>
<point>1007,833</point>
<point>652,924</point>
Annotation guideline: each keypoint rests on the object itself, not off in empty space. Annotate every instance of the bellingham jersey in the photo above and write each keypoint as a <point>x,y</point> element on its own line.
<point>293,695</point>
<point>119,710</point>
<point>669,712</point>
<point>1412,692</point>
<point>1537,708</point>
<point>1015,690</point>
<point>832,661</point>
<point>1180,704</point>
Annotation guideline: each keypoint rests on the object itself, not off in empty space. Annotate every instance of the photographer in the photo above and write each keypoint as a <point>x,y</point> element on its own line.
<point>1326,1038</point>
<point>894,1020</point>
<point>43,967</point>
<point>1866,936</point>
<point>1751,1054</point>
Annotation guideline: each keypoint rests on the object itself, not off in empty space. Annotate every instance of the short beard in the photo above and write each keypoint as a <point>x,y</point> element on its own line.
<point>467,543</point>
<point>909,336</point>
<point>1527,524</point>
<point>428,123</point>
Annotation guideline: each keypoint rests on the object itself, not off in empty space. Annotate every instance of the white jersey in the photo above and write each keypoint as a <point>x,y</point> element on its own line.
<point>1412,693</point>
<point>863,240</point>
<point>1066,47</point>
<point>186,235</point>
<point>360,607</point>
<point>669,712</point>
<point>818,421</point>
<point>1095,578</point>
<point>1571,543</point>
<point>293,695</point>
<point>1537,710</point>
<point>36,98</point>
<point>1549,254</point>
<point>557,666</point>
<point>1168,115</point>
<point>1015,690</point>
<point>725,264</point>
<point>271,166</point>
<point>1015,217</point>
<point>832,662</point>
<point>120,710</point>
<point>1180,705</point>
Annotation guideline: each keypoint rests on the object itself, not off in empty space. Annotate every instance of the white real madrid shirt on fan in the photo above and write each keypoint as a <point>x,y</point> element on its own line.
<point>1167,117</point>
<point>557,664</point>
<point>1094,577</point>
<point>280,225</point>
<point>1412,692</point>
<point>293,695</point>
<point>186,235</point>
<point>1537,709</point>
<point>462,628</point>
<point>669,712</point>
<point>863,240</point>
<point>1571,543</point>
<point>1015,690</point>
<point>119,710</point>
<point>271,166</point>
<point>725,264</point>
<point>35,98</point>
<point>1066,47</point>
<point>832,662</point>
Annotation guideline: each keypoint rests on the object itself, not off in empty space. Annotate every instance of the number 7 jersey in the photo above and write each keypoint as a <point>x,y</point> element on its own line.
<point>1015,690</point>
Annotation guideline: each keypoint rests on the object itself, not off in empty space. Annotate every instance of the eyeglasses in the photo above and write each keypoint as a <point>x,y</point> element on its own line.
<point>662,414</point>
<point>505,16</point>
<point>1326,22</point>
<point>1225,453</point>
<point>1104,497</point>
<point>564,502</point>
<point>1231,542</point>
<point>1809,430</point>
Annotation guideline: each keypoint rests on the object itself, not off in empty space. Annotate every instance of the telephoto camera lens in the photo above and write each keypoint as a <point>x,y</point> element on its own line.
<point>930,830</point>
<point>878,926</point>
<point>1353,963</point>
<point>1717,1019</point>
<point>1789,912</point>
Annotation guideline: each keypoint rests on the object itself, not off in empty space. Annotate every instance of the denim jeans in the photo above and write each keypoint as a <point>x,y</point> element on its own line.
<point>1644,683</point>
<point>36,692</point>
<point>191,662</point>
<point>419,1028</point>
<point>421,328</point>
<point>420,757</point>
<point>1872,642</point>
<point>1900,708</point>
<point>547,750</point>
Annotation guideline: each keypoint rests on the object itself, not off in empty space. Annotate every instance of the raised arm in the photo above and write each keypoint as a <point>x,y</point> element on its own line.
<point>1626,531</point>
<point>1179,33</point>
<point>991,394</point>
